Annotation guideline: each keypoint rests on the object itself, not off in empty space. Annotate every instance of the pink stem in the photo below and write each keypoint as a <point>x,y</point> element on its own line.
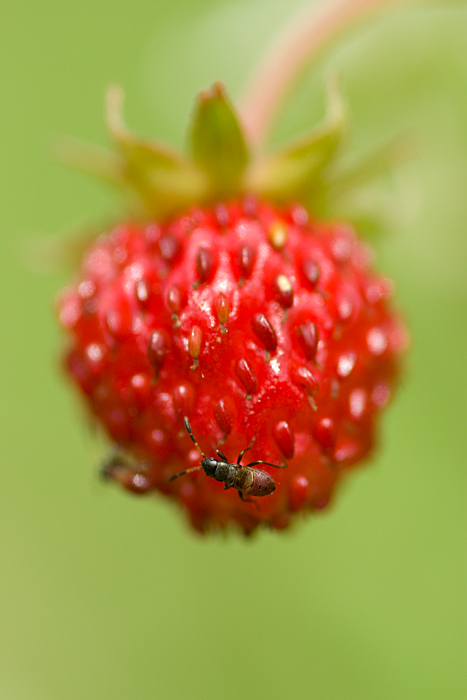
<point>301,42</point>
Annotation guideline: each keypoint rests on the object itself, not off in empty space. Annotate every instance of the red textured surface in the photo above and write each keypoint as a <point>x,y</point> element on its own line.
<point>212,318</point>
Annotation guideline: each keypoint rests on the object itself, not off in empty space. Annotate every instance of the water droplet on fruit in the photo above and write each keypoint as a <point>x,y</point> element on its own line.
<point>377,341</point>
<point>131,480</point>
<point>284,439</point>
<point>86,289</point>
<point>193,461</point>
<point>134,271</point>
<point>247,376</point>
<point>357,403</point>
<point>344,309</point>
<point>139,483</point>
<point>138,381</point>
<point>142,291</point>
<point>308,336</point>
<point>264,331</point>
<point>95,353</point>
<point>346,363</point>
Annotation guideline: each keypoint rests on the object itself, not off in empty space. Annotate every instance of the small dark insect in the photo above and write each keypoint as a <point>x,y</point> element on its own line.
<point>133,477</point>
<point>243,477</point>
<point>112,462</point>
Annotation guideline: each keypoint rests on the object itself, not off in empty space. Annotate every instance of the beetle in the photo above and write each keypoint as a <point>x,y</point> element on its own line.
<point>245,478</point>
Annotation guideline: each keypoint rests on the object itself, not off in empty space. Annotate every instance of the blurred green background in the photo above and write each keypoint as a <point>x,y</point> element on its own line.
<point>107,596</point>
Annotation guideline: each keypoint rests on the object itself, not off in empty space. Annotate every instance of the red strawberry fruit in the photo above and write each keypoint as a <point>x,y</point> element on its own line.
<point>224,300</point>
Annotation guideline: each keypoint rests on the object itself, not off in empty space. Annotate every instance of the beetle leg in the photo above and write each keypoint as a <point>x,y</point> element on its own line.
<point>247,500</point>
<point>245,450</point>
<point>221,454</point>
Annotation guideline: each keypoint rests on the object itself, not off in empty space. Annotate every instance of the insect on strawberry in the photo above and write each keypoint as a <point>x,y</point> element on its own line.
<point>243,477</point>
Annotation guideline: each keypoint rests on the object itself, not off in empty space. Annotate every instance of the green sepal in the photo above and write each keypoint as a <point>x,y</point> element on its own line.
<point>89,159</point>
<point>349,189</point>
<point>218,142</point>
<point>164,179</point>
<point>351,175</point>
<point>160,182</point>
<point>294,171</point>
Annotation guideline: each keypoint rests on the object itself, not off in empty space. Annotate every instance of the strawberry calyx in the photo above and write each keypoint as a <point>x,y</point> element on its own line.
<point>161,181</point>
<point>218,143</point>
<point>295,171</point>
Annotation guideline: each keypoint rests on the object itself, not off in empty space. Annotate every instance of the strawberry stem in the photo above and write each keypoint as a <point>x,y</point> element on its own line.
<point>301,43</point>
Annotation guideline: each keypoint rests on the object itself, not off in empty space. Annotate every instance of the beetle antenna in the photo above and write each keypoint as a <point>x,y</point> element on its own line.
<point>187,471</point>
<point>188,428</point>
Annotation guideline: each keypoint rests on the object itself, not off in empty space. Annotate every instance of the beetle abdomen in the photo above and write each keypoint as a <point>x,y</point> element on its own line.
<point>254,482</point>
<point>263,483</point>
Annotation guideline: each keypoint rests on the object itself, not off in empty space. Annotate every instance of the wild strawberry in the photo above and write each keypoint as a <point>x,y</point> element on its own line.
<point>228,303</point>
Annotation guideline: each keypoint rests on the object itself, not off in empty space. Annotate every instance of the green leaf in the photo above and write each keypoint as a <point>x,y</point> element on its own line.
<point>294,170</point>
<point>218,142</point>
